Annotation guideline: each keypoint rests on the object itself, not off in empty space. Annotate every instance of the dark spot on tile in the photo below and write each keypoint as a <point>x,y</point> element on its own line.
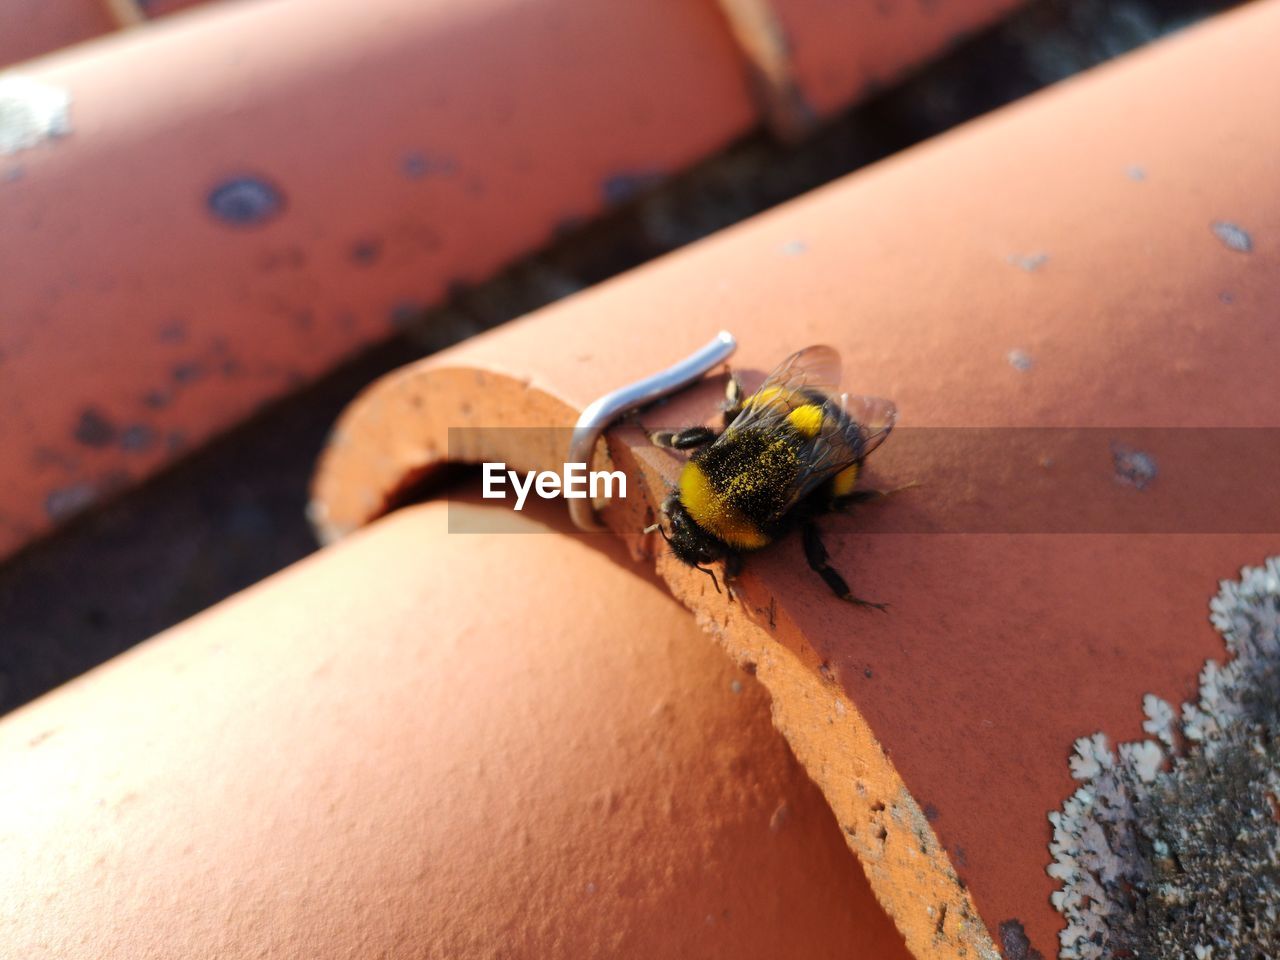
<point>867,673</point>
<point>1014,942</point>
<point>405,312</point>
<point>175,441</point>
<point>622,187</point>
<point>246,201</point>
<point>304,319</point>
<point>416,164</point>
<point>794,248</point>
<point>366,252</point>
<point>961,858</point>
<point>44,457</point>
<point>1227,297</point>
<point>185,373</point>
<point>1233,237</point>
<point>174,331</point>
<point>13,174</point>
<point>1020,360</point>
<point>288,258</point>
<point>1030,262</point>
<point>1133,467</point>
<point>68,501</point>
<point>41,737</point>
<point>93,429</point>
<point>1135,173</point>
<point>157,399</point>
<point>137,438</point>
<point>930,812</point>
<point>231,367</point>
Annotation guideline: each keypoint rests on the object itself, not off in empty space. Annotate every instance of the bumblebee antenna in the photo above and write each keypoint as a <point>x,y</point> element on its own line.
<point>656,528</point>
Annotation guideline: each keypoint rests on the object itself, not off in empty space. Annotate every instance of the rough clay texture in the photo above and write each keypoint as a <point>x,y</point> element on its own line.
<point>1171,846</point>
<point>998,650</point>
<point>408,747</point>
<point>882,822</point>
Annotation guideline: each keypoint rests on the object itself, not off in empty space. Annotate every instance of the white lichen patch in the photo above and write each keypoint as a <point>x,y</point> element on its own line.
<point>31,112</point>
<point>1170,848</point>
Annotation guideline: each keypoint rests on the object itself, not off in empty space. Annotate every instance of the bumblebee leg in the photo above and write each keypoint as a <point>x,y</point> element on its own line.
<point>710,573</point>
<point>684,439</point>
<point>816,553</point>
<point>864,496</point>
<point>734,398</point>
<point>732,567</point>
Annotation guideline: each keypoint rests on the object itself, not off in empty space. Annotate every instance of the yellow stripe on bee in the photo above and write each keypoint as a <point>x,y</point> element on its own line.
<point>708,510</point>
<point>807,419</point>
<point>842,483</point>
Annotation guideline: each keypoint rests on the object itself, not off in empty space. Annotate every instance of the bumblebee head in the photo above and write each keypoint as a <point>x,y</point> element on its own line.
<point>690,542</point>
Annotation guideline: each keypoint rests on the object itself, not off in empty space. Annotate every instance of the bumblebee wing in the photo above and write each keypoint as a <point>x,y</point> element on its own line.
<point>839,429</point>
<point>874,417</point>
<point>813,371</point>
<point>851,427</point>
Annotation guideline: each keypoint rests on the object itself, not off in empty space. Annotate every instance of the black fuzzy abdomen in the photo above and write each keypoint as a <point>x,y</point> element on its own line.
<point>754,472</point>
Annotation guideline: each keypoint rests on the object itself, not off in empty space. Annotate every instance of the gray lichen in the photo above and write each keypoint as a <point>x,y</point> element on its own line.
<point>1171,847</point>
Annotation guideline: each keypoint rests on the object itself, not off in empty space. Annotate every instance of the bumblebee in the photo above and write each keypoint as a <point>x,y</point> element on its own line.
<point>788,453</point>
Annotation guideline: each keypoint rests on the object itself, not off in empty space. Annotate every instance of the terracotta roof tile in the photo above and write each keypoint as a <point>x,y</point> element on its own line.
<point>368,756</point>
<point>225,218</point>
<point>940,733</point>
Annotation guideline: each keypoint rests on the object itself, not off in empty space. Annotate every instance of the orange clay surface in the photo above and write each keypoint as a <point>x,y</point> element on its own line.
<point>229,215</point>
<point>370,755</point>
<point>1075,231</point>
<point>29,28</point>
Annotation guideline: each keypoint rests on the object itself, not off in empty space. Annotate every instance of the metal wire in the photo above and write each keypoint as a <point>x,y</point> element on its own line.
<point>599,414</point>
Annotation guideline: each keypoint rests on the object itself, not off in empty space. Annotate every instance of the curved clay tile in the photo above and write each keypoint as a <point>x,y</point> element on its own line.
<point>1102,256</point>
<point>217,217</point>
<point>368,756</point>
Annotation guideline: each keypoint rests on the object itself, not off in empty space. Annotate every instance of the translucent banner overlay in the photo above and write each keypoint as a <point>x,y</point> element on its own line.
<point>1177,480</point>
